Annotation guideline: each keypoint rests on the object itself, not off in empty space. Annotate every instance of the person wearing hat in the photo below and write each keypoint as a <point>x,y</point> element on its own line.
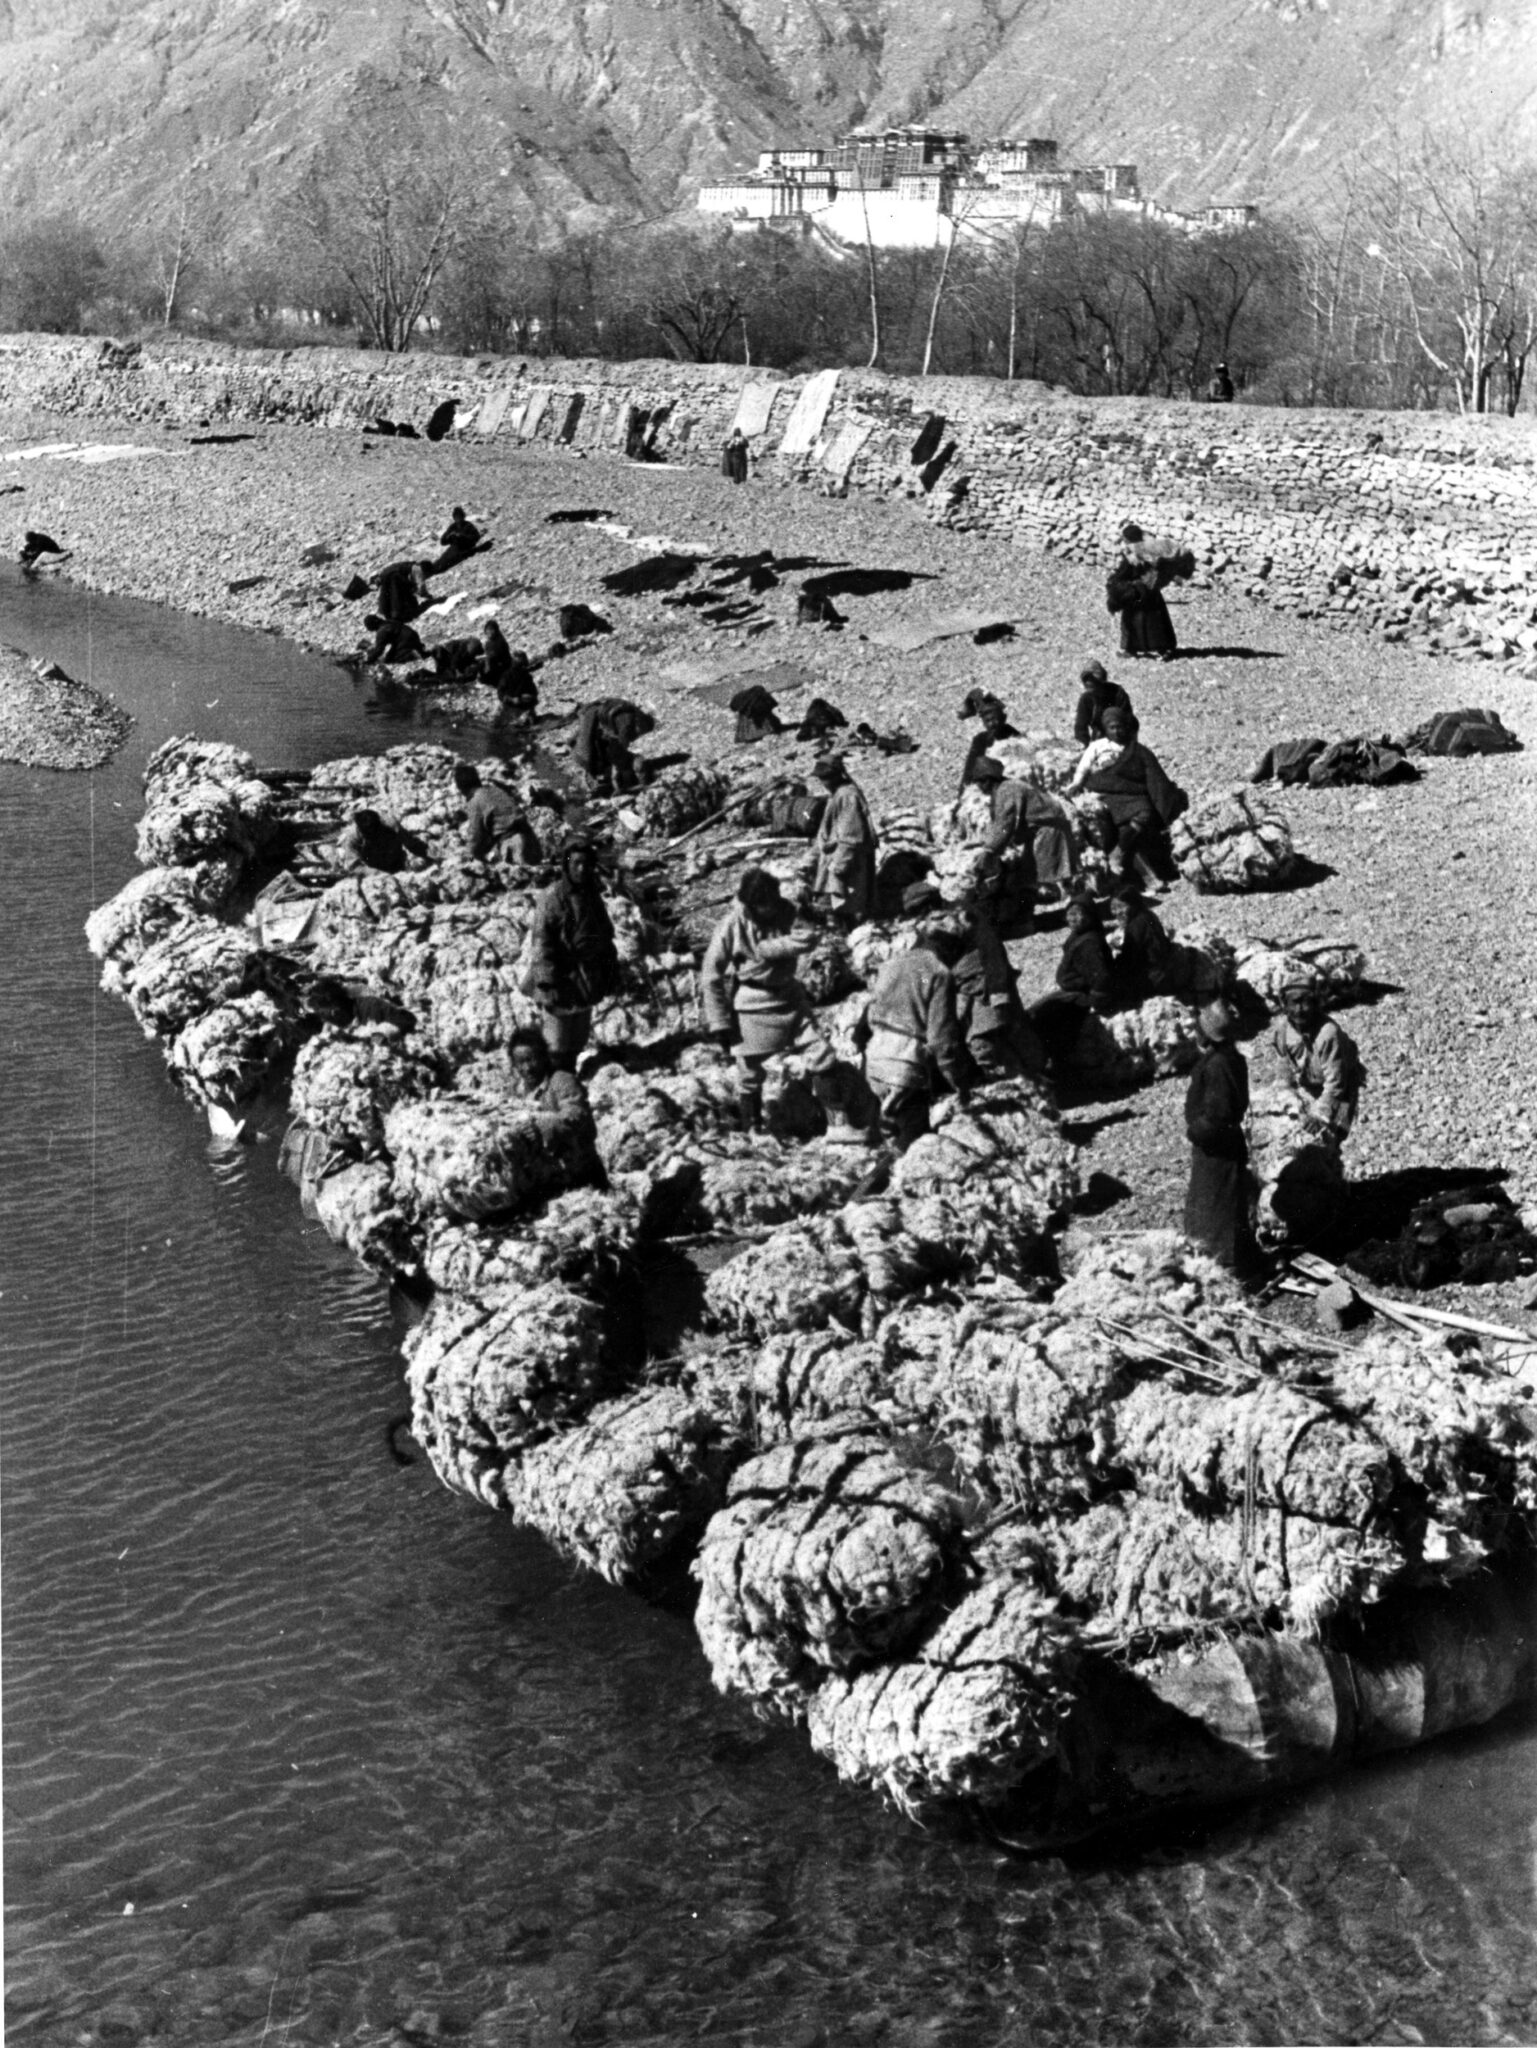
<point>844,847</point>
<point>1099,696</point>
<point>1085,984</point>
<point>573,962</point>
<point>995,726</point>
<point>1216,1103</point>
<point>1138,801</point>
<point>1220,390</point>
<point>992,1018</point>
<point>755,1007</point>
<point>1320,1062</point>
<point>915,1032</point>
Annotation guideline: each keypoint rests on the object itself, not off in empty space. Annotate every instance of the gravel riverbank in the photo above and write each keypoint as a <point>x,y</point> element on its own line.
<point>48,720</point>
<point>1433,880</point>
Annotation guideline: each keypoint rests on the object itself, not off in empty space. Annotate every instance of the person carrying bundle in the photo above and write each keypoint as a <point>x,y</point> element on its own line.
<point>915,1031</point>
<point>844,847</point>
<point>1135,590</point>
<point>1216,1103</point>
<point>573,962</point>
<point>1320,1062</point>
<point>1138,801</point>
<point>496,822</point>
<point>755,1007</point>
<point>1099,696</point>
<point>606,733</point>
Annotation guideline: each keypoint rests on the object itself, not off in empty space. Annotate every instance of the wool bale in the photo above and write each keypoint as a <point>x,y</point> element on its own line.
<point>185,760</point>
<point>968,1716</point>
<point>148,907</point>
<point>832,1553</point>
<point>226,1053</point>
<point>1233,842</point>
<point>630,1488</point>
<point>475,1158</point>
<point>1148,1043</point>
<point>585,1239</point>
<point>346,1082</point>
<point>1336,969</point>
<point>358,1208</point>
<point>679,799</point>
<point>197,965</point>
<point>1297,1169</point>
<point>489,1382</point>
<point>191,822</point>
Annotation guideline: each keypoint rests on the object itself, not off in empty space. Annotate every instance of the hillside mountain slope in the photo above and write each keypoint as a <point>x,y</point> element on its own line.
<point>598,110</point>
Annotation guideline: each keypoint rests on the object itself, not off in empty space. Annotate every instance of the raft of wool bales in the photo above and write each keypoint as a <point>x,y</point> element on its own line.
<point>1056,1550</point>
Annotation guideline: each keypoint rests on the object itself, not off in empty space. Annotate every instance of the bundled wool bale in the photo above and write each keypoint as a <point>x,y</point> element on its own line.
<point>965,821</point>
<point>826,968</point>
<point>1233,842</point>
<point>488,1383</point>
<point>1216,949</point>
<point>148,907</point>
<point>1297,1168</point>
<point>1149,1043</point>
<point>809,1376</point>
<point>1007,1129</point>
<point>752,1178</point>
<point>658,998</point>
<point>184,761</point>
<point>959,870</point>
<point>679,799</point>
<point>903,828</point>
<point>639,1115</point>
<point>629,1489</point>
<point>846,1027</point>
<point>833,1553</point>
<point>968,1716</point>
<point>477,1158</point>
<point>1336,969</point>
<point>1155,1271</point>
<point>1038,757</point>
<point>413,785</point>
<point>358,1208</point>
<point>226,1053</point>
<point>872,945</point>
<point>1467,1444</point>
<point>1142,1565</point>
<point>801,1278</point>
<point>585,1239</point>
<point>346,1082</point>
<point>198,964</point>
<point>200,821</point>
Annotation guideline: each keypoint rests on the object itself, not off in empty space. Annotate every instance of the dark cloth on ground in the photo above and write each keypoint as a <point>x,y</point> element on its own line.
<point>819,719</point>
<point>1217,1203</point>
<point>756,714</point>
<point>1463,732</point>
<point>1089,718</point>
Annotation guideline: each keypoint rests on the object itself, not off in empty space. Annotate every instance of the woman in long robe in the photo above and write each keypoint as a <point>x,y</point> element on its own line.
<point>1138,799</point>
<point>1216,1103</point>
<point>1135,590</point>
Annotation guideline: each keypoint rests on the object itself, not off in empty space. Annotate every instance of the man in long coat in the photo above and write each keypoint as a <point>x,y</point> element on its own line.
<point>844,884</point>
<point>573,962</point>
<point>1216,1103</point>
<point>915,1033</point>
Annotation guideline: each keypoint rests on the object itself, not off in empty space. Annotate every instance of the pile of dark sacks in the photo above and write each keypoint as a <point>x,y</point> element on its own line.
<point>947,1511</point>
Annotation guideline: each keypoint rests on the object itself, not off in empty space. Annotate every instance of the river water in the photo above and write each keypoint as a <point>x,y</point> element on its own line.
<point>301,1749</point>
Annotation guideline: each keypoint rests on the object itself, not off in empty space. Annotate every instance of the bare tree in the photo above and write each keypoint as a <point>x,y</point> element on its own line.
<point>190,227</point>
<point>388,205</point>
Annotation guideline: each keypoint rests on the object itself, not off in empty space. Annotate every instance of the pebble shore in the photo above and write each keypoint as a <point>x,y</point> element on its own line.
<point>1434,880</point>
<point>48,720</point>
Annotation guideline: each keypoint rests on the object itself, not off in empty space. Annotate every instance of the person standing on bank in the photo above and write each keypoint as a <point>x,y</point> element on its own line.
<point>1135,589</point>
<point>734,456</point>
<point>1220,390</point>
<point>844,846</point>
<point>1216,1103</point>
<point>573,963</point>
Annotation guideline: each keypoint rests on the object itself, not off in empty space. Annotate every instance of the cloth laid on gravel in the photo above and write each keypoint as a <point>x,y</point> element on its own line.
<point>1461,733</point>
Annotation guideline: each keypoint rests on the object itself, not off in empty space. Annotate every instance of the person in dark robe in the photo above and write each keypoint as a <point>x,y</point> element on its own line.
<point>573,962</point>
<point>1150,963</point>
<point>459,540</point>
<point>496,822</point>
<point>460,660</point>
<point>844,845</point>
<point>370,841</point>
<point>509,672</point>
<point>1220,390</point>
<point>1085,984</point>
<point>402,600</point>
<point>1216,1103</point>
<point>734,457</point>
<point>606,733</point>
<point>1138,801</point>
<point>757,714</point>
<point>995,726</point>
<point>1135,590</point>
<point>1099,696</point>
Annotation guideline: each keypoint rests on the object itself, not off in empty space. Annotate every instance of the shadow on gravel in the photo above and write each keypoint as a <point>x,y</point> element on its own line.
<point>864,582</point>
<point>1365,995</point>
<point>1081,1129</point>
<point>1102,1192</point>
<point>1226,654</point>
<point>1306,873</point>
<point>1382,1206</point>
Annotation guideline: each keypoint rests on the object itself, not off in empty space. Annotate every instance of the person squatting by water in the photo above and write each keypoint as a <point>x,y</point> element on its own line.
<point>755,1006</point>
<point>843,886</point>
<point>573,962</point>
<point>606,732</point>
<point>496,821</point>
<point>915,1031</point>
<point>1216,1103</point>
<point>402,600</point>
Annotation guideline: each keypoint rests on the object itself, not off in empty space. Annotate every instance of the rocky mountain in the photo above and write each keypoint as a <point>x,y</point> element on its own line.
<point>602,110</point>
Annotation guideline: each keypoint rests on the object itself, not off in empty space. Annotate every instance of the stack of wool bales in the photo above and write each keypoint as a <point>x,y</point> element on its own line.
<point>584,1238</point>
<point>1038,757</point>
<point>411,786</point>
<point>1233,843</point>
<point>1336,969</point>
<point>199,964</point>
<point>203,801</point>
<point>224,1055</point>
<point>1149,1043</point>
<point>345,1083</point>
<point>477,1156</point>
<point>148,908</point>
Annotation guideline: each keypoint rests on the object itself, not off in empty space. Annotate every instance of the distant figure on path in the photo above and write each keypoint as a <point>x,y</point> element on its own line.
<point>734,457</point>
<point>1135,590</point>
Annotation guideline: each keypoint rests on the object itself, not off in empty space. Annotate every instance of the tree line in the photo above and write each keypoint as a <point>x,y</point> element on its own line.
<point>1419,290</point>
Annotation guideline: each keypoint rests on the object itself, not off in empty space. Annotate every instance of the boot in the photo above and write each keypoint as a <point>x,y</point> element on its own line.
<point>749,1111</point>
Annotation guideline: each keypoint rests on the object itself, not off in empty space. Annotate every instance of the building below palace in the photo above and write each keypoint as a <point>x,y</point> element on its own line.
<point>920,188</point>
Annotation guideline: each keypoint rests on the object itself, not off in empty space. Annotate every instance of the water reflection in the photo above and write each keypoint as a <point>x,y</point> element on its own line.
<point>367,1765</point>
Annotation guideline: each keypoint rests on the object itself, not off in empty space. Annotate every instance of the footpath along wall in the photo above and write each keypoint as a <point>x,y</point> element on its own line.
<point>1417,526</point>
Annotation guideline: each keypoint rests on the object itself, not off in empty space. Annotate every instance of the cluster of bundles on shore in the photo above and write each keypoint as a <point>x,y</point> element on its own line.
<point>1328,764</point>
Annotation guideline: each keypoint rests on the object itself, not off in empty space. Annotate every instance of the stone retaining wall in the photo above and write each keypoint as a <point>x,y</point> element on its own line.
<point>1412,525</point>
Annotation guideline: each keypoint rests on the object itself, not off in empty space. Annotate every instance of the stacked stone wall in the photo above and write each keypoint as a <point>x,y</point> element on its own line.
<point>1419,526</point>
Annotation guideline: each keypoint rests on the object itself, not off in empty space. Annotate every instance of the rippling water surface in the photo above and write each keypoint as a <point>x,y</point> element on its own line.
<point>301,1749</point>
